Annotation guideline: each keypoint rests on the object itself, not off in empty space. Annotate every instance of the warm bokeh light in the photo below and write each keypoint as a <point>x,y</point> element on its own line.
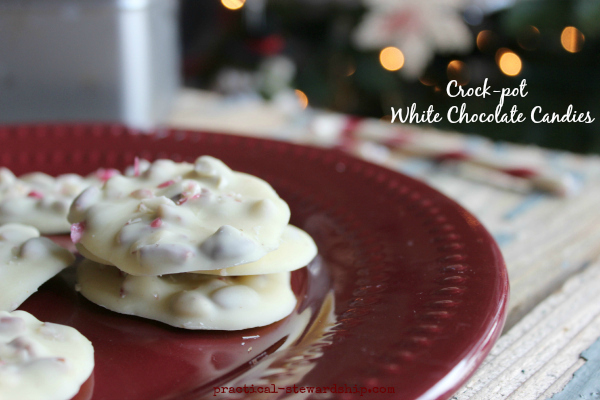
<point>484,39</point>
<point>391,58</point>
<point>302,98</point>
<point>510,64</point>
<point>351,70</point>
<point>572,39</point>
<point>427,80</point>
<point>500,52</point>
<point>529,38</point>
<point>233,4</point>
<point>458,71</point>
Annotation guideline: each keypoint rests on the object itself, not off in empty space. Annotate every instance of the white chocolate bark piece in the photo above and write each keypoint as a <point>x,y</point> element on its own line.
<point>41,361</point>
<point>41,200</point>
<point>26,262</point>
<point>297,249</point>
<point>179,217</point>
<point>190,301</point>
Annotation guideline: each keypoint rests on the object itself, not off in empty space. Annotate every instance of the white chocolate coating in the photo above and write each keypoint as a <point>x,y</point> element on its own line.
<point>297,249</point>
<point>179,217</point>
<point>41,361</point>
<point>191,301</point>
<point>41,200</point>
<point>26,262</point>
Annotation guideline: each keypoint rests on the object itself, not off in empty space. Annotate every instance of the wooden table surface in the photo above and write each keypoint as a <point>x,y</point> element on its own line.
<point>551,244</point>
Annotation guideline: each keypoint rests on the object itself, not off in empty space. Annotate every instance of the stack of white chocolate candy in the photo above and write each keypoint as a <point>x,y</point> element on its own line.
<point>196,246</point>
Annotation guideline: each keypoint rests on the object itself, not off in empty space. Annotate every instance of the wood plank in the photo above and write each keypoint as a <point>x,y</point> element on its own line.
<point>537,355</point>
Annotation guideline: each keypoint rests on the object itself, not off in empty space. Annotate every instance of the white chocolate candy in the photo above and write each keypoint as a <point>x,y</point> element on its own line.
<point>190,301</point>
<point>41,361</point>
<point>179,217</point>
<point>26,262</point>
<point>43,201</point>
<point>297,249</point>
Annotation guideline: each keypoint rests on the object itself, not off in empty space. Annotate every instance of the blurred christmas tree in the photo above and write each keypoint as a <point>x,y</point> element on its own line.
<point>365,56</point>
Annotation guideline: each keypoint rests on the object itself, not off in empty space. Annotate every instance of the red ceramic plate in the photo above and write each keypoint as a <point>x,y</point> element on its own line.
<point>404,301</point>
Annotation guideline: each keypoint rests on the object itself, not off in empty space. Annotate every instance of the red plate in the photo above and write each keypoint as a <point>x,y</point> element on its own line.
<point>404,301</point>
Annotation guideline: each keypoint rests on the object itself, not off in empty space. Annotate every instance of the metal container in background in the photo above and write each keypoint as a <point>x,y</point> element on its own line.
<point>88,60</point>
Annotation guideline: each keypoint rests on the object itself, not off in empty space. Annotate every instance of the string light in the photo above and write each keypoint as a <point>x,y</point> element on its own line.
<point>233,4</point>
<point>427,80</point>
<point>391,58</point>
<point>529,38</point>
<point>483,40</point>
<point>572,39</point>
<point>458,71</point>
<point>302,98</point>
<point>509,63</point>
<point>351,70</point>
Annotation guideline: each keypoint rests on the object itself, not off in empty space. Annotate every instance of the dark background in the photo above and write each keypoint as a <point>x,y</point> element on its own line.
<point>316,36</point>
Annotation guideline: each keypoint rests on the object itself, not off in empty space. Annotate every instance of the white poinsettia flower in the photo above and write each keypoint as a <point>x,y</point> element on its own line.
<point>418,28</point>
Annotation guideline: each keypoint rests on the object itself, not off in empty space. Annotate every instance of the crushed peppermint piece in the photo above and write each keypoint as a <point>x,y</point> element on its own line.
<point>104,174</point>
<point>166,184</point>
<point>35,194</point>
<point>136,166</point>
<point>77,231</point>
<point>157,223</point>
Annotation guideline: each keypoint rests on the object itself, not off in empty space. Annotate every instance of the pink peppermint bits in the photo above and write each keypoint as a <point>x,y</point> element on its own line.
<point>136,166</point>
<point>166,184</point>
<point>105,174</point>
<point>35,194</point>
<point>157,223</point>
<point>77,231</point>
